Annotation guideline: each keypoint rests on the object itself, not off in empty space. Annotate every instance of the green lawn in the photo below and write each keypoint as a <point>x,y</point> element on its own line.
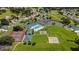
<point>7,13</point>
<point>55,15</point>
<point>42,40</point>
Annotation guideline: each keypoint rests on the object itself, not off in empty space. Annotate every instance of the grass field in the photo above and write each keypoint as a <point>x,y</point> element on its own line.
<point>7,13</point>
<point>65,37</point>
<point>55,15</point>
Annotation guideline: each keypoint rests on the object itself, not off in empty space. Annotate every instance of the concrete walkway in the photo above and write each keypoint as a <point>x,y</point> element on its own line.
<point>16,46</point>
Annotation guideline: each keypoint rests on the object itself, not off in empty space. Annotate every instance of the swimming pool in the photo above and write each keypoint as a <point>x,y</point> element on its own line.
<point>32,26</point>
<point>37,27</point>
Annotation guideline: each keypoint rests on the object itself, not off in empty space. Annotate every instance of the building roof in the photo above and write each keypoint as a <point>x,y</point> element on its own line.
<point>75,28</point>
<point>18,35</point>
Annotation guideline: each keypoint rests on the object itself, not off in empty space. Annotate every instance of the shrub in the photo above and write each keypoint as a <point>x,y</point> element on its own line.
<point>18,28</point>
<point>6,40</point>
<point>4,22</point>
<point>33,44</point>
<point>66,21</point>
<point>29,43</point>
<point>24,43</point>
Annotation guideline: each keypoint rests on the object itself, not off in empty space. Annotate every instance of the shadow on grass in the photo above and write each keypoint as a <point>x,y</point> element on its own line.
<point>77,41</point>
<point>33,44</point>
<point>75,49</point>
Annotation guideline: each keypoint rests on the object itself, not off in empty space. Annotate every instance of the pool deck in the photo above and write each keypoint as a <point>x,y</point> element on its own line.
<point>31,26</point>
<point>28,35</point>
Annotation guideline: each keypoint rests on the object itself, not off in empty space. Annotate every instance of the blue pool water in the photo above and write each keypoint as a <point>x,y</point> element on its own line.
<point>30,27</point>
<point>37,27</point>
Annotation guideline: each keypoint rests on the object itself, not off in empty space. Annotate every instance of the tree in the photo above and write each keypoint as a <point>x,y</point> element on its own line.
<point>77,14</point>
<point>33,31</point>
<point>66,21</point>
<point>77,41</point>
<point>24,43</point>
<point>6,40</point>
<point>49,17</point>
<point>15,10</point>
<point>75,49</point>
<point>33,19</point>
<point>62,18</point>
<point>29,42</point>
<point>18,28</point>
<point>0,24</point>
<point>14,17</point>
<point>3,11</point>
<point>33,44</point>
<point>4,22</point>
<point>75,22</point>
<point>60,12</point>
<point>26,12</point>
